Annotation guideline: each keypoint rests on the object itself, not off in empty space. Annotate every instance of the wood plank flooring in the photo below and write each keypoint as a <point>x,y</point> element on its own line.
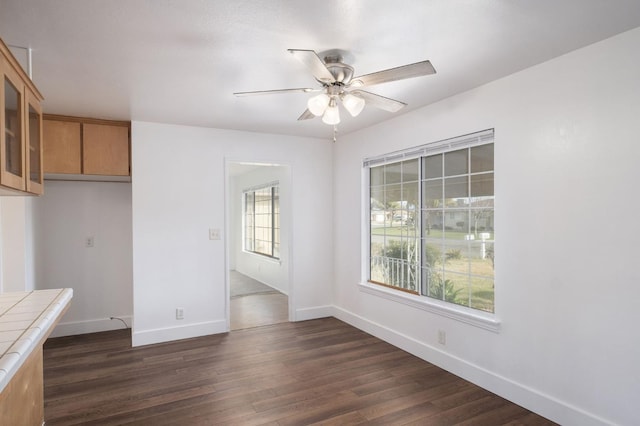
<point>313,372</point>
<point>259,309</point>
<point>255,304</point>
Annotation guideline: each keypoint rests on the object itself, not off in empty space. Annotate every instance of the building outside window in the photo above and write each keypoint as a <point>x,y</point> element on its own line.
<point>262,220</point>
<point>432,227</point>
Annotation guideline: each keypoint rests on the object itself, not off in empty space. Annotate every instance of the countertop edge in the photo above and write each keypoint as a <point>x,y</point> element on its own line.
<point>33,336</point>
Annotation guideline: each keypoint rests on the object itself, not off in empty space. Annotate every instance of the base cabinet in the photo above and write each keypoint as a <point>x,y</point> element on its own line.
<point>21,372</point>
<point>22,400</point>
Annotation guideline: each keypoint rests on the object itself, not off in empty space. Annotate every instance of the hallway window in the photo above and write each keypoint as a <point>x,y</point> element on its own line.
<point>431,220</point>
<point>262,221</point>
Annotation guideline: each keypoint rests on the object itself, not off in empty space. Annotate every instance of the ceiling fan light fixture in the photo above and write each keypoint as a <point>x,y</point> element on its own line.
<point>331,115</point>
<point>354,104</point>
<point>318,104</point>
<point>340,86</point>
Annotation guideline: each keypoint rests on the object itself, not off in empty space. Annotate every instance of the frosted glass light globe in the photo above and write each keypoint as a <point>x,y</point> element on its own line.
<point>331,115</point>
<point>318,104</point>
<point>353,104</point>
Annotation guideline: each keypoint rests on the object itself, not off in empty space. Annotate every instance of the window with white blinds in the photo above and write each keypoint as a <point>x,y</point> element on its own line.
<point>431,220</point>
<point>262,220</point>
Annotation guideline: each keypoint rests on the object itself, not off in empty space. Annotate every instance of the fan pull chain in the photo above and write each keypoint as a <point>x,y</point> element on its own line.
<point>335,132</point>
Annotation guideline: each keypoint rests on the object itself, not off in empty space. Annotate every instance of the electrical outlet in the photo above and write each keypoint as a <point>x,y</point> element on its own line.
<point>442,337</point>
<point>214,234</point>
<point>179,313</point>
<point>88,242</point>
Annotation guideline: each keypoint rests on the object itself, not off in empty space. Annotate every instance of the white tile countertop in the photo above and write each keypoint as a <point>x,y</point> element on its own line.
<point>26,318</point>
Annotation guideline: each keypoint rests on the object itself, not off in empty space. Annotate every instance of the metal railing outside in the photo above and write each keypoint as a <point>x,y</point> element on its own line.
<point>395,272</point>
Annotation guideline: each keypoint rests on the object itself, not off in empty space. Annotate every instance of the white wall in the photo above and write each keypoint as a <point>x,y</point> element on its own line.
<point>13,243</point>
<point>30,244</point>
<point>16,244</point>
<point>179,193</point>
<point>101,276</point>
<point>272,272</point>
<point>567,280</point>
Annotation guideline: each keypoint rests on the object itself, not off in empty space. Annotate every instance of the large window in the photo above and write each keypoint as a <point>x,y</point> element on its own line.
<point>262,221</point>
<point>432,221</point>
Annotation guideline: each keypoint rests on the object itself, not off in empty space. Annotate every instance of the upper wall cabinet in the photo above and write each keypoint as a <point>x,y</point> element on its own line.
<point>62,147</point>
<point>86,149</point>
<point>34,146</point>
<point>20,129</point>
<point>105,150</point>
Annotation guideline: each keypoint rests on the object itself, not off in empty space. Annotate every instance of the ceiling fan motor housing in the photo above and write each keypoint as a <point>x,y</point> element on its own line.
<point>342,73</point>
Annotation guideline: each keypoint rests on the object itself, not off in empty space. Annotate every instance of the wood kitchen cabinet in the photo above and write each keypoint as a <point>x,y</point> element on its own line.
<point>22,380</point>
<point>105,150</point>
<point>78,148</point>
<point>33,144</point>
<point>62,147</point>
<point>20,129</point>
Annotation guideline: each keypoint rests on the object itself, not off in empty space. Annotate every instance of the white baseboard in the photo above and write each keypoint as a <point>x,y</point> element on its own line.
<point>90,326</point>
<point>533,400</point>
<point>315,312</point>
<point>187,331</point>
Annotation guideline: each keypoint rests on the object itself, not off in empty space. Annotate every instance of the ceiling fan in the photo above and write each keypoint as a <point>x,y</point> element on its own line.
<point>340,86</point>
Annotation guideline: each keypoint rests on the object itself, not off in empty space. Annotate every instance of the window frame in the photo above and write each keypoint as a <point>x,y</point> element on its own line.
<point>274,225</point>
<point>476,317</point>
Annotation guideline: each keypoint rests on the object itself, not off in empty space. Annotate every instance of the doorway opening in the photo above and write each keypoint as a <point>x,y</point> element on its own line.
<point>258,248</point>
<point>254,303</point>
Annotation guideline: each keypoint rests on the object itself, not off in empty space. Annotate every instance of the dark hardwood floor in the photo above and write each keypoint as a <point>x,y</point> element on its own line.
<point>313,372</point>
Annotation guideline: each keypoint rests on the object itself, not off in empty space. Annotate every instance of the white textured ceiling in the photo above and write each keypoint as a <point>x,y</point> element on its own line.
<point>180,61</point>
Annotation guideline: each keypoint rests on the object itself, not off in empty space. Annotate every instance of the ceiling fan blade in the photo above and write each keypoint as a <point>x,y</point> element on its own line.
<point>314,63</point>
<point>379,101</point>
<point>393,74</point>
<point>306,115</point>
<point>278,91</point>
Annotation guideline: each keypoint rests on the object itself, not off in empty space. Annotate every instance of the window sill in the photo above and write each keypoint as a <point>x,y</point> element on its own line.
<point>264,257</point>
<point>478,319</point>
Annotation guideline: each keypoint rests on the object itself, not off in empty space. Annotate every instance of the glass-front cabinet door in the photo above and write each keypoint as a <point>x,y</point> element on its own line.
<point>21,147</point>
<point>33,112</point>
<point>12,148</point>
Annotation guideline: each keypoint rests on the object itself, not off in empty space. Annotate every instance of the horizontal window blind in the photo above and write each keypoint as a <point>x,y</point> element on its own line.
<point>261,186</point>
<point>465,141</point>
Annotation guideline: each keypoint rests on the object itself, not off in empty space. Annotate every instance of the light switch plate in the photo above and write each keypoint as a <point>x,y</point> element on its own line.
<point>214,233</point>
